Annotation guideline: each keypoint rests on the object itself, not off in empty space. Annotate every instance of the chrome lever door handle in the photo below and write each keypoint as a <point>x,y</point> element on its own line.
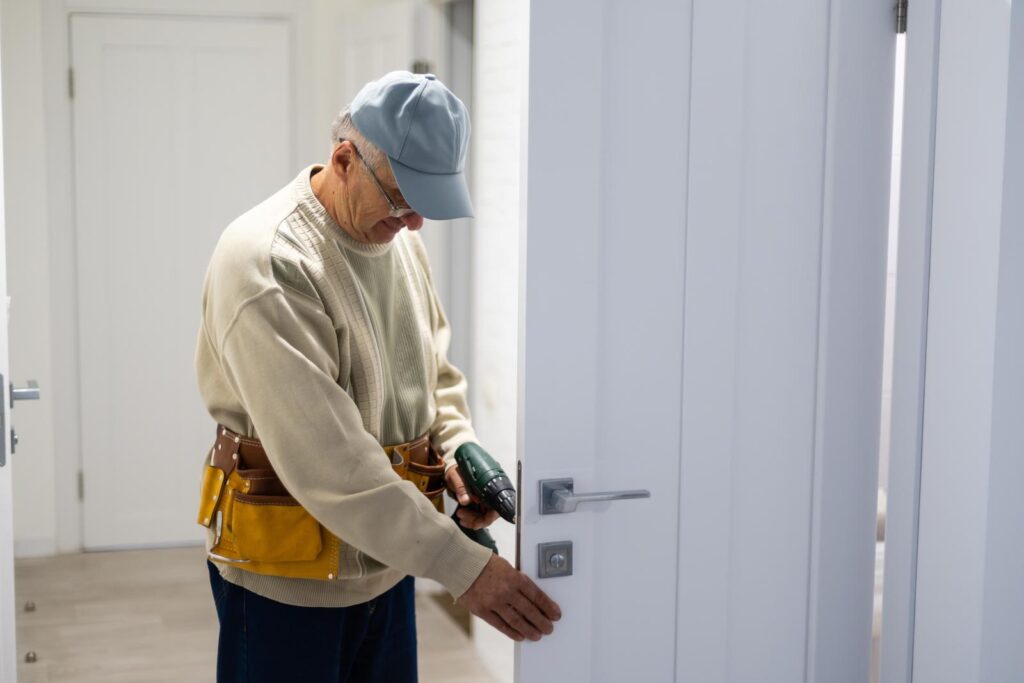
<point>29,393</point>
<point>557,496</point>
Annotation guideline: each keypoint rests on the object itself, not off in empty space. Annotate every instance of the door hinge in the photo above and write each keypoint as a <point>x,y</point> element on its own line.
<point>71,83</point>
<point>81,485</point>
<point>901,16</point>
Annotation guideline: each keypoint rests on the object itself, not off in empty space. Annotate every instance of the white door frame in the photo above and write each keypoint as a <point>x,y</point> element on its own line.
<point>953,606</point>
<point>307,139</point>
<point>909,347</point>
<point>8,631</point>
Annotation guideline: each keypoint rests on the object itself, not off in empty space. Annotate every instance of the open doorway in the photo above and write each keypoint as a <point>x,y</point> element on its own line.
<point>887,363</point>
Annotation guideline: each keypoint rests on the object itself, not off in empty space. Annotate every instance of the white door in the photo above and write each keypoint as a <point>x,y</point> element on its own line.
<point>376,38</point>
<point>180,125</point>
<point>8,649</point>
<point>707,198</point>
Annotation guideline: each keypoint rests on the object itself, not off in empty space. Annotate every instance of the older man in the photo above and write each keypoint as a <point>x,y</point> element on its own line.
<point>322,356</point>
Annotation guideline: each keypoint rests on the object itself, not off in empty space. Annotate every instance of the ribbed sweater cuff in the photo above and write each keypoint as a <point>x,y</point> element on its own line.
<point>459,563</point>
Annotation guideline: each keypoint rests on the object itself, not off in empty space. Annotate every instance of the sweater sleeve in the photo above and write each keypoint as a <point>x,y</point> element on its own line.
<point>279,353</point>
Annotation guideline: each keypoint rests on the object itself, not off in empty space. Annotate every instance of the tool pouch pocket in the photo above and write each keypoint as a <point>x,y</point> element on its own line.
<point>267,528</point>
<point>429,479</point>
<point>210,492</point>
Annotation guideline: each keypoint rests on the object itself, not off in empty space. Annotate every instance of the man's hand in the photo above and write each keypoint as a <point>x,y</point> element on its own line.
<point>509,601</point>
<point>468,518</point>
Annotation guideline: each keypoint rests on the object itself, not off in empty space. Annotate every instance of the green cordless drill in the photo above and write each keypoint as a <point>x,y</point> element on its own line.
<point>489,488</point>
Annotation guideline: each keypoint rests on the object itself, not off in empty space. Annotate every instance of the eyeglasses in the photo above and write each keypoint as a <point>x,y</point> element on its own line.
<point>395,211</point>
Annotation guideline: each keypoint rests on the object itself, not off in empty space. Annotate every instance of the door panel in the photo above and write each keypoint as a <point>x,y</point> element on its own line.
<point>180,125</point>
<point>8,650</point>
<point>707,197</point>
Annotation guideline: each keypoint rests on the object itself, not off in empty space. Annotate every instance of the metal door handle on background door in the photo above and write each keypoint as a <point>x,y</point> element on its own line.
<point>557,496</point>
<point>29,393</point>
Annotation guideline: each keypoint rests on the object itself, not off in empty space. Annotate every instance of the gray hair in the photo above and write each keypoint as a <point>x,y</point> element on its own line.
<point>344,128</point>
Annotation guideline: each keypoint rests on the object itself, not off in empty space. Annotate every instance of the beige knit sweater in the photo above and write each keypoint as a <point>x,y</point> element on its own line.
<point>325,348</point>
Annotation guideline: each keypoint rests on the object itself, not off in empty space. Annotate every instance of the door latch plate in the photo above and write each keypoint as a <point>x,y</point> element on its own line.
<point>554,559</point>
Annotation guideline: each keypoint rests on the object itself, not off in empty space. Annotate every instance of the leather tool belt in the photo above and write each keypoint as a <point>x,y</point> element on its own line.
<point>259,527</point>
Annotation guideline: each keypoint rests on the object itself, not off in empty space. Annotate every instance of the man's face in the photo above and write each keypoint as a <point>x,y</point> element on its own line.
<point>369,210</point>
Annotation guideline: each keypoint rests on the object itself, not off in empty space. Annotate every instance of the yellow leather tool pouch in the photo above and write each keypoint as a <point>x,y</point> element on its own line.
<point>259,527</point>
<point>274,529</point>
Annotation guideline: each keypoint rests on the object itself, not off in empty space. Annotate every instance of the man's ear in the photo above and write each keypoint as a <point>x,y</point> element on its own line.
<point>342,158</point>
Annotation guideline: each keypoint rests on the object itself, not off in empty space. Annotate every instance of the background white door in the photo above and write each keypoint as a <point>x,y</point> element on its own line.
<point>180,125</point>
<point>8,649</point>
<point>707,190</point>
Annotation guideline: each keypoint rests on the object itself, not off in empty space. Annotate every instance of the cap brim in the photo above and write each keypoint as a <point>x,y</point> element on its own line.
<point>437,196</point>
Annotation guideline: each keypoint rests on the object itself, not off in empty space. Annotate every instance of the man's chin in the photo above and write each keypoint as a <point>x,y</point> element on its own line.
<point>383,233</point>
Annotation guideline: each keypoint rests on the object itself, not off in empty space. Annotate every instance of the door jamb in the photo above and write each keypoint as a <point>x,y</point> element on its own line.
<point>910,343</point>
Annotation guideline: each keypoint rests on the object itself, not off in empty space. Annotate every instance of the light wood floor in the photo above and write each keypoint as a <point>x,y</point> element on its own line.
<point>147,616</point>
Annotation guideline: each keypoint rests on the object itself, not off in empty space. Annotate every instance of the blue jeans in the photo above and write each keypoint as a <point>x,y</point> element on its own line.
<point>262,640</point>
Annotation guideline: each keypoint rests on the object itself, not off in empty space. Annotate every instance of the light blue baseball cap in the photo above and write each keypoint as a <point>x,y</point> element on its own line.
<point>423,128</point>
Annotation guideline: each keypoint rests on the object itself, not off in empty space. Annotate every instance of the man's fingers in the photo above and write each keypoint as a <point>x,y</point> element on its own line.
<point>514,619</point>
<point>467,517</point>
<point>539,598</point>
<point>475,520</point>
<point>495,620</point>
<point>532,614</point>
<point>457,485</point>
<point>509,601</point>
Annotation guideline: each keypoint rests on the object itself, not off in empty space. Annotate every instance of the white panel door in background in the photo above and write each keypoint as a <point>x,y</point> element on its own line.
<point>377,38</point>
<point>706,216</point>
<point>180,125</point>
<point>8,649</point>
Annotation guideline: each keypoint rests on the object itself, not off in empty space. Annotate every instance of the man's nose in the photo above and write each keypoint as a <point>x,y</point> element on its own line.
<point>413,221</point>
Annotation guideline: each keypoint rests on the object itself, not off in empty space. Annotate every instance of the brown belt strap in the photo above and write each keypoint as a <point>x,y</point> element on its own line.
<point>232,450</point>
